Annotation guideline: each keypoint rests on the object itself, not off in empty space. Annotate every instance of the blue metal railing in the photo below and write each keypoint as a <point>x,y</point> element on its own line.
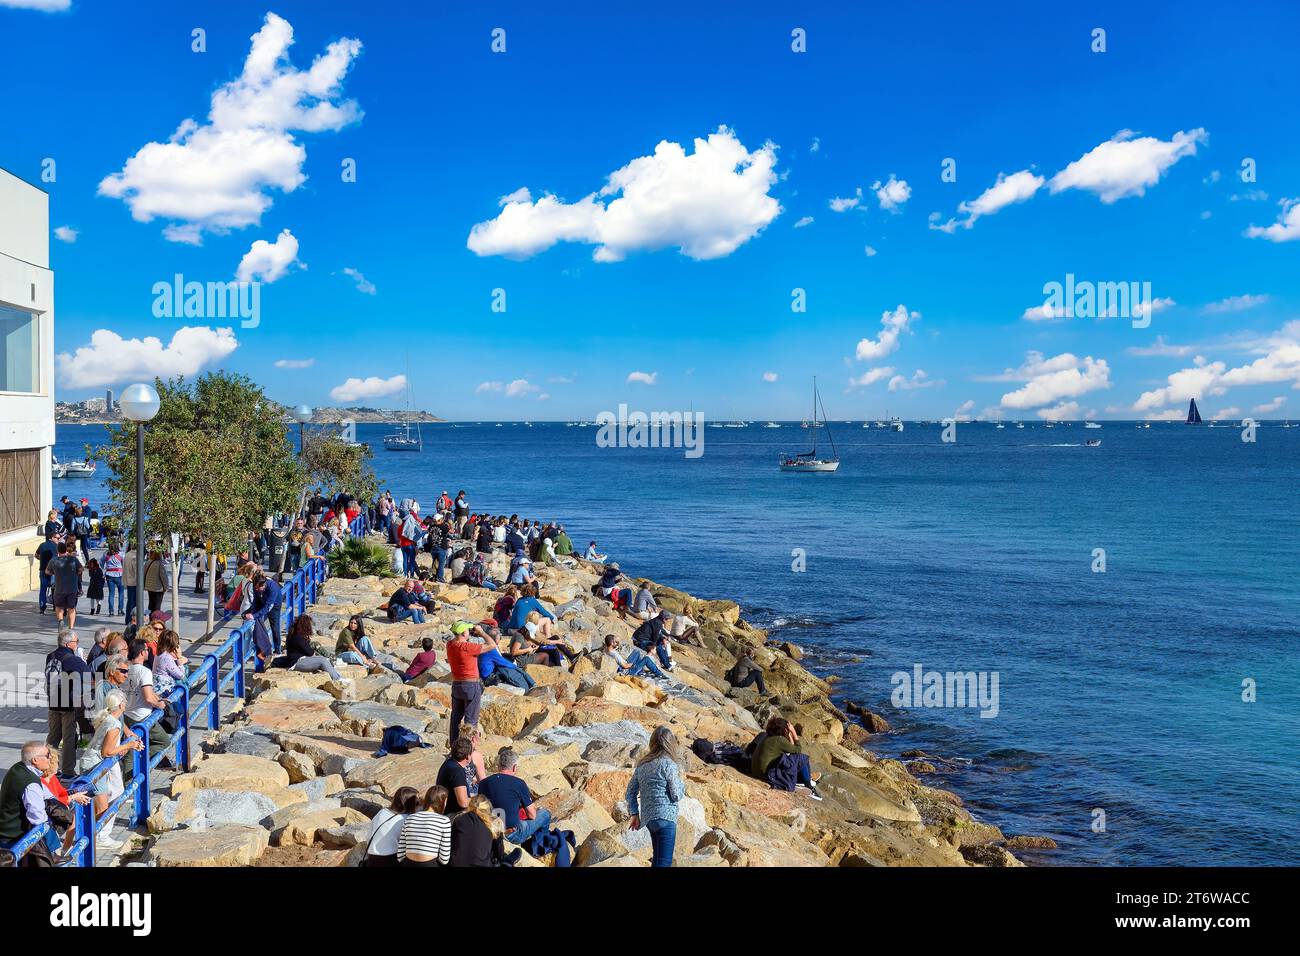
<point>201,689</point>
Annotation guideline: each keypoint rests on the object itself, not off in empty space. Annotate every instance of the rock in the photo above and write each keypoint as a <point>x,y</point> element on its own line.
<point>607,787</point>
<point>615,753</point>
<point>574,810</point>
<point>318,788</point>
<point>873,722</point>
<point>320,746</point>
<point>298,766</point>
<point>230,845</point>
<point>453,593</point>
<point>367,801</point>
<point>793,651</point>
<point>856,793</point>
<point>1030,843</point>
<point>986,855</point>
<point>622,731</point>
<point>543,720</point>
<point>293,695</point>
<point>691,826</point>
<point>250,743</point>
<point>344,837</point>
<point>209,807</point>
<point>301,829</point>
<point>356,715</point>
<point>506,715</point>
<point>599,846</point>
<point>232,772</point>
<point>417,769</point>
<point>921,766</point>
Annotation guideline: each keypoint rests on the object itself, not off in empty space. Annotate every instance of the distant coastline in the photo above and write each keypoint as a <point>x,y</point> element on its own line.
<point>93,412</point>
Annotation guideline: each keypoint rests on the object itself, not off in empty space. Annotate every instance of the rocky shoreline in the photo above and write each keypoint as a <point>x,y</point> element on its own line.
<point>292,779</point>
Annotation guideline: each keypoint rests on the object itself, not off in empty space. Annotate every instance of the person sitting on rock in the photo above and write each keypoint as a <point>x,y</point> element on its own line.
<point>421,662</point>
<point>524,605</point>
<point>685,630</point>
<point>779,759</point>
<point>353,647</point>
<point>745,672</point>
<point>607,587</point>
<point>635,663</point>
<point>653,636</point>
<point>425,839</point>
<point>495,669</point>
<point>644,604</point>
<point>513,799</point>
<point>521,569</point>
<point>402,606</point>
<point>386,828</point>
<point>476,837</point>
<point>453,775</point>
<point>592,555</point>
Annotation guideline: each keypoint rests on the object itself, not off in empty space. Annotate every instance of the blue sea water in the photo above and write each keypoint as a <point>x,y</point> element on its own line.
<point>1120,693</point>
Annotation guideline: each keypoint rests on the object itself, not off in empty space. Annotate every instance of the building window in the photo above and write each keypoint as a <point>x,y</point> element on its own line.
<point>20,351</point>
<point>20,489</point>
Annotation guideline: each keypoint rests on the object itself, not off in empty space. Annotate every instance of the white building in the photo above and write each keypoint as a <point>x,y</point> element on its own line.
<point>26,378</point>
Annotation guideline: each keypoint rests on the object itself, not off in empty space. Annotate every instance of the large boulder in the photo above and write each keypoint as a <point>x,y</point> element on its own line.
<point>233,772</point>
<point>301,830</point>
<point>506,715</point>
<point>230,845</point>
<point>620,731</point>
<point>249,743</point>
<point>299,766</point>
<point>574,810</point>
<point>209,807</point>
<point>368,718</point>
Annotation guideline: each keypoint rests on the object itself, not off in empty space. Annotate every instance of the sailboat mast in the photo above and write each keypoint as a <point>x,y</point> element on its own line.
<point>829,436</point>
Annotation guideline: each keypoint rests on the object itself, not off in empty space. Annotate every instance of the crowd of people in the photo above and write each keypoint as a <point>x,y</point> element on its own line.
<point>468,816</point>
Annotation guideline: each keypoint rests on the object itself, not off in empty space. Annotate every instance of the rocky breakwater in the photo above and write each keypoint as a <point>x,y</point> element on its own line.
<point>292,778</point>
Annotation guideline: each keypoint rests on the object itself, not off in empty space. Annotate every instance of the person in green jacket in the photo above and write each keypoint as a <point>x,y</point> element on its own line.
<point>778,758</point>
<point>563,544</point>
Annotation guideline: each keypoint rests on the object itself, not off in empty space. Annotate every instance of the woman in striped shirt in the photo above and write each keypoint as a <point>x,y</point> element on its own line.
<point>426,835</point>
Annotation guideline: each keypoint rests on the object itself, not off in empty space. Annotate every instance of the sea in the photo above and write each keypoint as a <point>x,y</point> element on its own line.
<point>1136,601</point>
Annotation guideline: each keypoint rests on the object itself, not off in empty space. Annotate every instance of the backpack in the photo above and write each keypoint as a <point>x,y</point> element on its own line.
<point>236,598</point>
<point>474,574</point>
<point>728,754</point>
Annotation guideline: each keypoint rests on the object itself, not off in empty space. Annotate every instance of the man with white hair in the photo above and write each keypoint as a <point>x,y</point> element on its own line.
<point>23,796</point>
<point>67,680</point>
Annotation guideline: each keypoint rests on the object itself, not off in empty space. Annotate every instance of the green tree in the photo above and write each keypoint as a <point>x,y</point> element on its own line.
<point>333,464</point>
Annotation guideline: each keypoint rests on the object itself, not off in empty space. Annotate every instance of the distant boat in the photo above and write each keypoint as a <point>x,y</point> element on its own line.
<point>896,424</point>
<point>1094,442</point>
<point>402,441</point>
<point>57,470</point>
<point>734,425</point>
<point>1020,424</point>
<point>79,469</point>
<point>1193,414</point>
<point>1091,425</point>
<point>808,461</point>
<point>771,425</point>
<point>1000,425</point>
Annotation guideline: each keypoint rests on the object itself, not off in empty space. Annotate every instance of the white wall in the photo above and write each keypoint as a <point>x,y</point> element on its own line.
<point>26,282</point>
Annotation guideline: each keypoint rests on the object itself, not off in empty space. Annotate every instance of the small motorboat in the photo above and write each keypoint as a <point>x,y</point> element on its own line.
<point>1094,442</point>
<point>78,469</point>
<point>57,470</point>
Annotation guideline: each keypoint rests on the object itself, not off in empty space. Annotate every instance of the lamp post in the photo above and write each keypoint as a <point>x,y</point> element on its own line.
<point>139,403</point>
<point>302,414</point>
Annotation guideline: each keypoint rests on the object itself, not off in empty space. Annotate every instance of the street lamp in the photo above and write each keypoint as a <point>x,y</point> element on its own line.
<point>139,403</point>
<point>303,414</point>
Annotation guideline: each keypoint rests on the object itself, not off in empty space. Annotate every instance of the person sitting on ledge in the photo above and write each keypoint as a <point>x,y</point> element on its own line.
<point>607,587</point>
<point>644,604</point>
<point>421,662</point>
<point>402,605</point>
<point>302,654</point>
<point>745,672</point>
<point>635,664</point>
<point>511,796</point>
<point>779,759</point>
<point>425,839</point>
<point>494,669</point>
<point>592,555</point>
<point>526,604</point>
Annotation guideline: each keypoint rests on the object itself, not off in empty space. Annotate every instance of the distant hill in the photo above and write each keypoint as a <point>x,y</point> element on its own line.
<point>92,412</point>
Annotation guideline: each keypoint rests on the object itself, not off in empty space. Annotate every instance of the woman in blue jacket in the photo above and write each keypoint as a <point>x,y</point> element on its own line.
<point>654,792</point>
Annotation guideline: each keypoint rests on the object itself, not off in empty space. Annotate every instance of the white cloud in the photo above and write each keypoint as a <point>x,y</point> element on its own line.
<point>1196,382</point>
<point>1044,313</point>
<point>521,387</point>
<point>893,194</point>
<point>707,204</point>
<point>1157,304</point>
<point>268,261</point>
<point>893,324</point>
<point>871,376</point>
<point>1169,415</point>
<point>645,378</point>
<point>845,203</point>
<point>295,363</point>
<point>519,195</point>
<point>364,285</point>
<point>870,251</point>
<point>110,359</point>
<point>66,234</point>
<point>360,389</point>
<point>218,176</point>
<point>918,380</point>
<point>44,6</point>
<point>489,387</point>
<point>1065,411</point>
<point>1271,406</point>
<point>1285,229</point>
<point>803,221</point>
<point>1008,190</point>
<point>1235,303</point>
<point>1225,413</point>
<point>1160,348</point>
<point>816,145</point>
<point>1250,195</point>
<point>770,376</point>
<point>1126,164</point>
<point>1049,380</point>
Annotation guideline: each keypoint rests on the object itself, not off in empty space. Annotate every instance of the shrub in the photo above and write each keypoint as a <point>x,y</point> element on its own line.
<point>358,557</point>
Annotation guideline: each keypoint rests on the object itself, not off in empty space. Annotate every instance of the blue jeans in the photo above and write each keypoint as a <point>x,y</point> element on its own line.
<point>408,559</point>
<point>130,604</point>
<point>45,591</point>
<point>661,649</point>
<point>663,840</point>
<point>639,663</point>
<point>413,613</point>
<point>441,556</point>
<point>115,588</point>
<point>526,828</point>
<point>510,675</point>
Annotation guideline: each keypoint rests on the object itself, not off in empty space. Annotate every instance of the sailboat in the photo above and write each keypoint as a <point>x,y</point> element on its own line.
<point>403,440</point>
<point>1193,414</point>
<point>808,461</point>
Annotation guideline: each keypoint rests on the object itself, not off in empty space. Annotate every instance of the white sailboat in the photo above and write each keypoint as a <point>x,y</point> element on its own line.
<point>808,461</point>
<point>403,440</point>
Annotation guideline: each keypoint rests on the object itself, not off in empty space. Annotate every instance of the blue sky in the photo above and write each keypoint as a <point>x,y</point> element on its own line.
<point>707,252</point>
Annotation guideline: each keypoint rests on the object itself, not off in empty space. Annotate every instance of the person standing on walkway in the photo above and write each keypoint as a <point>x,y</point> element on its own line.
<point>654,792</point>
<point>266,606</point>
<point>129,579</point>
<point>46,552</point>
<point>155,580</point>
<point>68,682</point>
<point>65,575</point>
<point>113,578</point>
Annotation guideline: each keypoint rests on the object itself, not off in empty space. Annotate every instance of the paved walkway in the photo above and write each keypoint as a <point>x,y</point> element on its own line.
<point>27,636</point>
